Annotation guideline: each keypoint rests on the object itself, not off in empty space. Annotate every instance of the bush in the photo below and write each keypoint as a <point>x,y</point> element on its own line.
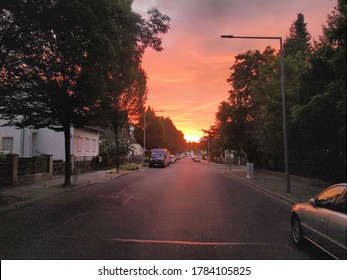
<point>3,156</point>
<point>129,166</point>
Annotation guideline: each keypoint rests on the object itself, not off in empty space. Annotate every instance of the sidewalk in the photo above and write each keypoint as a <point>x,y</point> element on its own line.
<point>25,194</point>
<point>302,189</point>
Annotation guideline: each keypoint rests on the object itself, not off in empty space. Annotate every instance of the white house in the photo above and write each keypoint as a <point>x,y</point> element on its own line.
<point>28,142</point>
<point>136,148</point>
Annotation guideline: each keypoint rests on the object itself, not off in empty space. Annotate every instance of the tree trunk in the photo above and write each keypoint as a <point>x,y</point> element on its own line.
<point>117,149</point>
<point>67,133</point>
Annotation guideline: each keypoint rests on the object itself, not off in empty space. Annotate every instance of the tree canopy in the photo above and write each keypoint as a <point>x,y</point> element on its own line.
<point>299,38</point>
<point>61,61</point>
<point>160,133</point>
<point>315,87</point>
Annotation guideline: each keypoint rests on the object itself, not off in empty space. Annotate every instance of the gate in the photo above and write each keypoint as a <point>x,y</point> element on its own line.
<point>5,172</point>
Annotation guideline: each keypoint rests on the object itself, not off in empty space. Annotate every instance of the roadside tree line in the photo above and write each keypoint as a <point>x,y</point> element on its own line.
<point>250,120</point>
<point>68,63</point>
<point>159,132</point>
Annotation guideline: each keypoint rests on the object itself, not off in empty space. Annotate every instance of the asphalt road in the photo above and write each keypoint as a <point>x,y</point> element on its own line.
<point>186,211</point>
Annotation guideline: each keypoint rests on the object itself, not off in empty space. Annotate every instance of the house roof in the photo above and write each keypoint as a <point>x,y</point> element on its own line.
<point>95,128</point>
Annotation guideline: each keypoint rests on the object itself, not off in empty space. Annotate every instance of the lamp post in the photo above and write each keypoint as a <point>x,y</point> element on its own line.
<point>285,143</point>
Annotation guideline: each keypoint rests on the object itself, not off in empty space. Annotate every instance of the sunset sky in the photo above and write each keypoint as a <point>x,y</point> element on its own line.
<point>188,79</point>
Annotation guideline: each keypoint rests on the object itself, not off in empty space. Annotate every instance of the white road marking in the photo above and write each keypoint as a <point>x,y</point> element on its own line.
<point>193,243</point>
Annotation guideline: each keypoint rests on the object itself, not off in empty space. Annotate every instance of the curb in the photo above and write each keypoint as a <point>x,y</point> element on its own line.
<point>288,200</point>
<point>25,203</point>
<point>17,205</point>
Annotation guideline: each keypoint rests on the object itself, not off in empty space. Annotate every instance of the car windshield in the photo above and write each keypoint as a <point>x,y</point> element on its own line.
<point>157,154</point>
<point>329,197</point>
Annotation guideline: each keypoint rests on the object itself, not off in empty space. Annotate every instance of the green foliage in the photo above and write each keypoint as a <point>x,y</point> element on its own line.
<point>238,116</point>
<point>68,63</point>
<point>109,147</point>
<point>129,166</point>
<point>126,82</point>
<point>299,38</point>
<point>3,156</point>
<point>319,122</point>
<point>160,132</point>
<point>315,88</point>
<point>50,78</point>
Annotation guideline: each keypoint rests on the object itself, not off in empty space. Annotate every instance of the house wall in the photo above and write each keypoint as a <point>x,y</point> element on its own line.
<point>34,142</point>
<point>11,132</point>
<point>48,142</point>
<point>136,149</point>
<point>85,142</point>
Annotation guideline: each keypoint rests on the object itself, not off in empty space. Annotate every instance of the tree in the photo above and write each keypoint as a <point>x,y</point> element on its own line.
<point>60,59</point>
<point>126,84</point>
<point>237,116</point>
<point>173,138</point>
<point>15,27</point>
<point>160,132</point>
<point>267,99</point>
<point>316,102</point>
<point>319,123</point>
<point>52,76</point>
<point>299,38</point>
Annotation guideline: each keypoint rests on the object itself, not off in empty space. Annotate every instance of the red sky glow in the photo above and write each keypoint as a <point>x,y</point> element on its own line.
<point>187,80</point>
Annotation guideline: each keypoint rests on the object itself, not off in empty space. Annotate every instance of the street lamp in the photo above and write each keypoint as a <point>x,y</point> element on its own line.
<point>285,143</point>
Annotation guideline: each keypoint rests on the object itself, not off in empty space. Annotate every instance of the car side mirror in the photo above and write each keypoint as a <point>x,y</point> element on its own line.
<point>312,202</point>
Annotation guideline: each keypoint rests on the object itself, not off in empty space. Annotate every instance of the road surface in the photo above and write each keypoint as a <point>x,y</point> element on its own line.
<point>189,210</point>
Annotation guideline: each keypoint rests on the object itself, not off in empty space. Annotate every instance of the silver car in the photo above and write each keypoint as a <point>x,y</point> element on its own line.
<point>323,221</point>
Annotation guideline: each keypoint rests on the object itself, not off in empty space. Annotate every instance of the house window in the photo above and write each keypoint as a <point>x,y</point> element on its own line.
<point>94,145</point>
<point>79,144</point>
<point>87,144</point>
<point>7,144</point>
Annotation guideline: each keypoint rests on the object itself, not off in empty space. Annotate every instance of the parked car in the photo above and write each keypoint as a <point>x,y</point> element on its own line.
<point>172,159</point>
<point>159,157</point>
<point>196,158</point>
<point>322,221</point>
